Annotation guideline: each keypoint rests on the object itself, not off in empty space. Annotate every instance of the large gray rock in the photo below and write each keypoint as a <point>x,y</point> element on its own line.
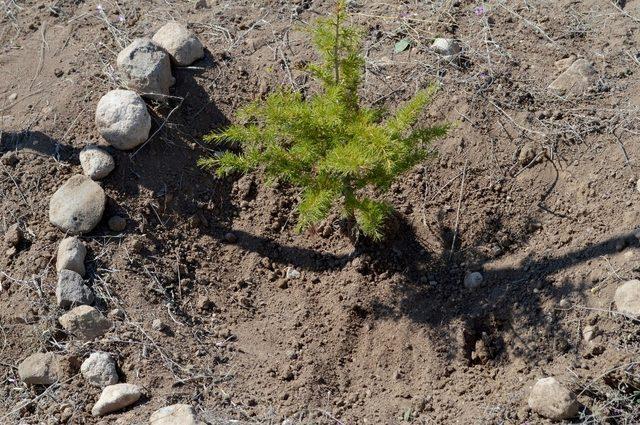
<point>576,79</point>
<point>71,290</point>
<point>183,46</point>
<point>116,397</point>
<point>176,414</point>
<point>71,255</point>
<point>100,370</point>
<point>77,206</point>
<point>627,298</point>
<point>85,322</point>
<point>41,369</point>
<point>96,163</point>
<point>122,119</point>
<point>550,399</point>
<point>146,68</point>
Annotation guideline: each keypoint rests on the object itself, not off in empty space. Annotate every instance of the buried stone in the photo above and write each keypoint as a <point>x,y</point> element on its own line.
<point>41,369</point>
<point>579,77</point>
<point>627,298</point>
<point>182,414</point>
<point>552,400</point>
<point>85,322</point>
<point>77,206</point>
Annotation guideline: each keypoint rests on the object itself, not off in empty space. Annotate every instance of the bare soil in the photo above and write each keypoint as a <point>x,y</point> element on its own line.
<point>378,334</point>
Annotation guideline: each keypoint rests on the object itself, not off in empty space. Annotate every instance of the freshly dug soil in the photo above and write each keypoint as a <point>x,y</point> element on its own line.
<point>534,190</point>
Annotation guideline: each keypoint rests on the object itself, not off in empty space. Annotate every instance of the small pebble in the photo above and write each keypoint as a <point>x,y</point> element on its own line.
<point>473,280</point>
<point>293,273</point>
<point>117,223</point>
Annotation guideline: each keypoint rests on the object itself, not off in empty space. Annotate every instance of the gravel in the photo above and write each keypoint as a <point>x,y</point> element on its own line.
<point>13,235</point>
<point>473,280</point>
<point>117,223</point>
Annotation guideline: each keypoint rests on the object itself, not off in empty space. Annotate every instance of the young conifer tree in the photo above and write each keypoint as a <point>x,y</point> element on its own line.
<point>329,145</point>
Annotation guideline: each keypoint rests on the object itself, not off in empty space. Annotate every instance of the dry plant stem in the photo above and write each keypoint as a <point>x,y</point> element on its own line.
<point>455,233</point>
<point>43,30</point>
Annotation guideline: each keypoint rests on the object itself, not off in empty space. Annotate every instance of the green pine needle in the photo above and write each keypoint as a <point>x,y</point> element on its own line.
<point>328,144</point>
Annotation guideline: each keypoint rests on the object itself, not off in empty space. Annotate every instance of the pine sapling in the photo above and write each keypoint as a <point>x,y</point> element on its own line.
<point>335,150</point>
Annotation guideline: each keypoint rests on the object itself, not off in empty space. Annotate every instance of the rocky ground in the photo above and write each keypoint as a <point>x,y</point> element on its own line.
<point>138,288</point>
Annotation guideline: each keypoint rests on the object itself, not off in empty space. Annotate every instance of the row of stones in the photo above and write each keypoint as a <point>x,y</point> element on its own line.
<point>123,121</point>
<point>77,207</point>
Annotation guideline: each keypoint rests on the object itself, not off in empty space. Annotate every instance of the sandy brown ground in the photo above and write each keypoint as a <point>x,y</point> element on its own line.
<point>370,334</point>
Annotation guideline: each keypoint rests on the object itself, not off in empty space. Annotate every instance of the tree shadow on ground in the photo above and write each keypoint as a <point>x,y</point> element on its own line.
<point>512,299</point>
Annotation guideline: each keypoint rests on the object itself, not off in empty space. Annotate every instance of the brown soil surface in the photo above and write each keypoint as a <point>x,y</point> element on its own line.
<point>369,334</point>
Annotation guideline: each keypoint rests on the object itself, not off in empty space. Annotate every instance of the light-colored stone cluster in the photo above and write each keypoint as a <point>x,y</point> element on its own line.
<point>78,205</point>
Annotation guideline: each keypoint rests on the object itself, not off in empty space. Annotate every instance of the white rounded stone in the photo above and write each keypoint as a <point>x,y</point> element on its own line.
<point>99,369</point>
<point>96,163</point>
<point>182,414</point>
<point>551,400</point>
<point>122,119</point>
<point>627,298</point>
<point>446,46</point>
<point>183,46</point>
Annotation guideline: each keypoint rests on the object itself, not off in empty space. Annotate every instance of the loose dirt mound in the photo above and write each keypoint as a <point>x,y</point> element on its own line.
<point>535,189</point>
